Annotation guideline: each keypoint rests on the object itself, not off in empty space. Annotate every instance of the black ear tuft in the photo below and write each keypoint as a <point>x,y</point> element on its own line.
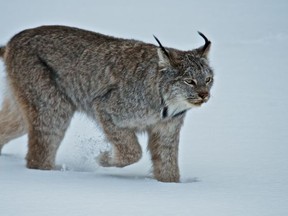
<point>206,47</point>
<point>162,48</point>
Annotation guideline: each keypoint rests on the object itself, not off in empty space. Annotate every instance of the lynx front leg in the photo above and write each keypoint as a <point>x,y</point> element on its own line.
<point>125,147</point>
<point>163,145</point>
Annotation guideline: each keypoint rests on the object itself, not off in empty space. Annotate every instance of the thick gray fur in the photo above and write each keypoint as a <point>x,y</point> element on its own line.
<point>126,86</point>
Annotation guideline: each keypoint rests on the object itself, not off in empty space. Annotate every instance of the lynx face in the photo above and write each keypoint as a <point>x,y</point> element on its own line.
<point>189,78</point>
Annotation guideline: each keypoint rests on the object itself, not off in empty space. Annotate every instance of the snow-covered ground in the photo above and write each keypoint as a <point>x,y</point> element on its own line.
<point>233,150</point>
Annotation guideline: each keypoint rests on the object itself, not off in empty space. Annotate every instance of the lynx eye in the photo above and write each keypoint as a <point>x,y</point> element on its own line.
<point>208,80</point>
<point>190,82</point>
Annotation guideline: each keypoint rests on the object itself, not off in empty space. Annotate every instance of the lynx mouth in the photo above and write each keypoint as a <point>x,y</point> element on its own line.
<point>196,102</point>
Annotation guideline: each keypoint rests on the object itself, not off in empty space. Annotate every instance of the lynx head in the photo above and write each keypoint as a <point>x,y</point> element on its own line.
<point>186,77</point>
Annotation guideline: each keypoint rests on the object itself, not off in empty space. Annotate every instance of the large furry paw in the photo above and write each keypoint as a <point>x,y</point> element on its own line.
<point>105,159</point>
<point>167,176</point>
<point>172,179</point>
<point>108,159</point>
<point>32,164</point>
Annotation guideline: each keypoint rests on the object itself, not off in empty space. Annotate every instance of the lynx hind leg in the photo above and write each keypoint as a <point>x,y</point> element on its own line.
<point>126,149</point>
<point>12,124</point>
<point>46,130</point>
<point>47,110</point>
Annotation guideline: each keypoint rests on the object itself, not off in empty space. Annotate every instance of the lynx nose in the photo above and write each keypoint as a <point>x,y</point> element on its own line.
<point>204,95</point>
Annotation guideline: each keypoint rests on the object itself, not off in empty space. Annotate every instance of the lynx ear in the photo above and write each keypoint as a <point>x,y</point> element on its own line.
<point>163,54</point>
<point>203,51</point>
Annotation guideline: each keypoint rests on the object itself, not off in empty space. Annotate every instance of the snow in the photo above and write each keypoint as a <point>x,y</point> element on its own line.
<point>233,150</point>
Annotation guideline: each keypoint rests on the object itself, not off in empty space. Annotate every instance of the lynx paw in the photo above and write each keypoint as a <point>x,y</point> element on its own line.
<point>105,159</point>
<point>32,164</point>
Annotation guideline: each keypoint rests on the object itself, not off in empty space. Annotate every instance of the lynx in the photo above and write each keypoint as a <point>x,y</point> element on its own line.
<point>126,86</point>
